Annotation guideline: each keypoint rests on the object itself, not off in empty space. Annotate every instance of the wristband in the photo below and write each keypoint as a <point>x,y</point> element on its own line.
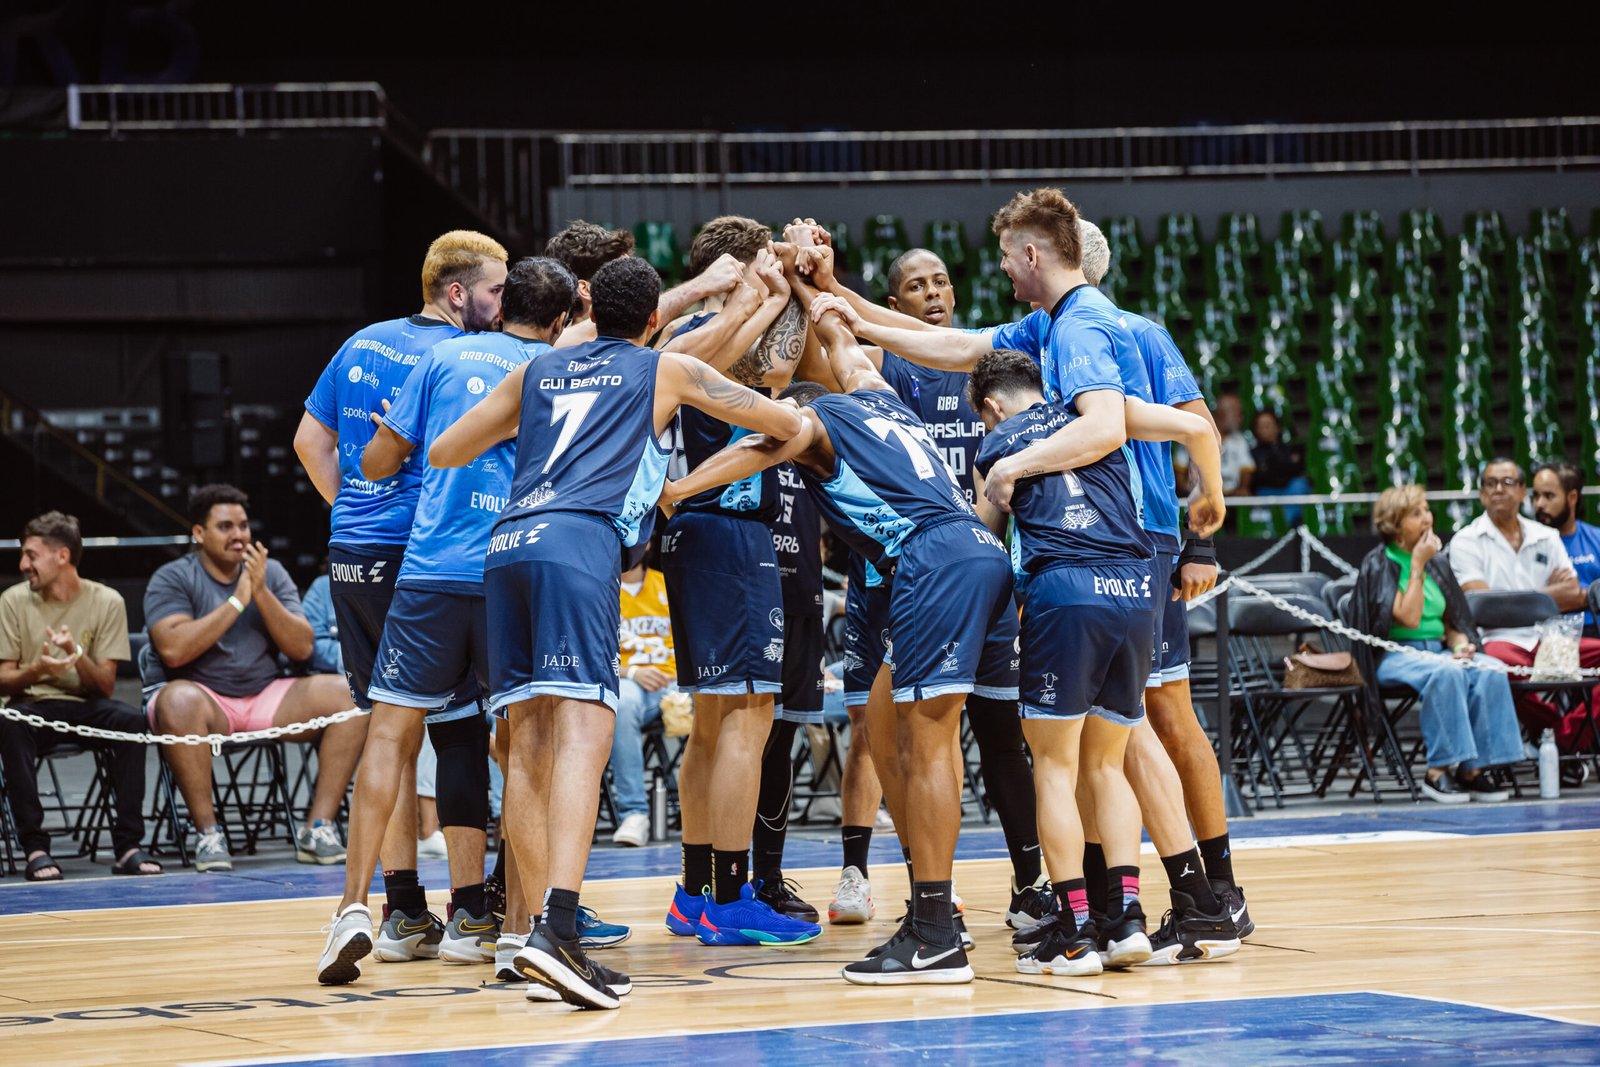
<point>1201,550</point>
<point>237,603</point>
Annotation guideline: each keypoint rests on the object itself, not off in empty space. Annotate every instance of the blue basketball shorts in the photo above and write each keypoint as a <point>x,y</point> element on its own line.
<point>1086,640</point>
<point>726,603</point>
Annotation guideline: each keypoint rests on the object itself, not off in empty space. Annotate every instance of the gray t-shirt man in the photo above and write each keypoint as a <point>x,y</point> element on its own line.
<point>244,661</point>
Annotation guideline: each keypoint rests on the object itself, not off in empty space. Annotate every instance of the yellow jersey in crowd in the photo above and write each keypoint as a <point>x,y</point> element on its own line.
<point>646,626</point>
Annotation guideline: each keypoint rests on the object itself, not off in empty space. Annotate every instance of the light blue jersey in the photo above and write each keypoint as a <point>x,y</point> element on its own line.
<point>457,507</point>
<point>370,368</point>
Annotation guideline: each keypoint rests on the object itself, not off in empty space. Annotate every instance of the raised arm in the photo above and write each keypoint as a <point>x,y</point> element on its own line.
<point>318,448</point>
<point>682,380</point>
<point>737,332</point>
<point>745,457</point>
<point>723,274</point>
<point>850,366</point>
<point>815,264</point>
<point>491,420</point>
<point>1099,429</point>
<point>1158,422</point>
<point>912,339</point>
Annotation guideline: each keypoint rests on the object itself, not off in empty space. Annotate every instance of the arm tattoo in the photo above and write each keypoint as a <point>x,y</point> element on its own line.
<point>777,349</point>
<point>720,390</point>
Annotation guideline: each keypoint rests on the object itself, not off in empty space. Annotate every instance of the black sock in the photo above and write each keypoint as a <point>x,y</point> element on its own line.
<point>772,803</point>
<point>499,874</point>
<point>403,892</point>
<point>1074,899</point>
<point>1186,874</point>
<point>911,878</point>
<point>1094,873</point>
<point>468,898</point>
<point>857,840</point>
<point>1218,858</point>
<point>1008,781</point>
<point>696,869</point>
<point>561,913</point>
<point>932,914</point>
<point>729,873</point>
<point>1122,890</point>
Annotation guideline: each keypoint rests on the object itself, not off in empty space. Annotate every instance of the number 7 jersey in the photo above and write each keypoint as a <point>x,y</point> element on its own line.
<point>889,478</point>
<point>587,440</point>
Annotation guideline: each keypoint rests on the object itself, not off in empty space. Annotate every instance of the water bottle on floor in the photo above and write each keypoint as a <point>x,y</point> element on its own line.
<point>1549,767</point>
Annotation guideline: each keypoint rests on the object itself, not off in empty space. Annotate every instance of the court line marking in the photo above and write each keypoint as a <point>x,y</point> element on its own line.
<point>1532,1013</point>
<point>302,1057</point>
<point>1372,837</point>
<point>1449,929</point>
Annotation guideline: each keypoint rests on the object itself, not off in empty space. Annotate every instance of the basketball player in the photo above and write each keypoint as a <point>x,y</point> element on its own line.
<point>1041,249</point>
<point>728,623</point>
<point>591,461</point>
<point>463,275</point>
<point>1172,716</point>
<point>885,489</point>
<point>434,650</point>
<point>919,287</point>
<point>1083,565</point>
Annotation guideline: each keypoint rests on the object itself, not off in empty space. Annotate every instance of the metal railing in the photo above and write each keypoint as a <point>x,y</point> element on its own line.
<point>116,109</point>
<point>1259,150</point>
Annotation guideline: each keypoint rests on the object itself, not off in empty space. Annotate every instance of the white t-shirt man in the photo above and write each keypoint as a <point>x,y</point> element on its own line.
<point>1480,553</point>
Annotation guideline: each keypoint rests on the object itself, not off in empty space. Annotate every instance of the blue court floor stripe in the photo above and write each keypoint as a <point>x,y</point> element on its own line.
<point>1365,1028</point>
<point>277,880</point>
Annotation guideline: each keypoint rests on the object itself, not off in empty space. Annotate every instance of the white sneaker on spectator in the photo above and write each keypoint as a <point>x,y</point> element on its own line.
<point>432,847</point>
<point>318,843</point>
<point>211,851</point>
<point>634,830</point>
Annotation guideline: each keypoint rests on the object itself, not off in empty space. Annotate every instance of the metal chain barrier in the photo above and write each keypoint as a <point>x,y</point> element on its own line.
<point>1493,666</point>
<point>216,741</point>
<point>1338,561</point>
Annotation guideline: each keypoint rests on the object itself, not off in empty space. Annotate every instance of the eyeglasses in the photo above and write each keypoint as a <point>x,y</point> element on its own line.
<point>1491,484</point>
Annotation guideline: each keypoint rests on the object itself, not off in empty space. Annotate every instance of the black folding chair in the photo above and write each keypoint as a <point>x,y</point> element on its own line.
<point>1368,734</point>
<point>1267,714</point>
<point>1494,609</point>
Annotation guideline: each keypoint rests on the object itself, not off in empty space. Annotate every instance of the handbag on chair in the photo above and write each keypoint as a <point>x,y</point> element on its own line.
<point>1312,668</point>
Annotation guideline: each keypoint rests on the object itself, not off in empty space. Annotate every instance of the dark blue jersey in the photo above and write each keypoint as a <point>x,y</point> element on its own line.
<point>797,539</point>
<point>703,436</point>
<point>369,368</point>
<point>1085,516</point>
<point>587,440</point>
<point>1076,342</point>
<point>940,399</point>
<point>889,480</point>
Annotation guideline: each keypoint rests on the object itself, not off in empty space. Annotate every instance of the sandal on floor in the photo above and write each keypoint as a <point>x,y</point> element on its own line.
<point>39,863</point>
<point>134,862</point>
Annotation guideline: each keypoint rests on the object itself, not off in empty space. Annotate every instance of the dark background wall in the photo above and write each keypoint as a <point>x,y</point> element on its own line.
<point>933,65</point>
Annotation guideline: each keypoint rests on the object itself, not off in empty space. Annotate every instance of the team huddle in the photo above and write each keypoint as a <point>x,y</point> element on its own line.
<point>1017,551</point>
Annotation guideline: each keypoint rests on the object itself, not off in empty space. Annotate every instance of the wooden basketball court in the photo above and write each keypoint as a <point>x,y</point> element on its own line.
<point>1414,935</point>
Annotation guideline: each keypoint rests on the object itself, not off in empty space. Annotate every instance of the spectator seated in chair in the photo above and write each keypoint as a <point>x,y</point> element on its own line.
<point>649,672</point>
<point>218,619</point>
<point>1469,720</point>
<point>1502,551</point>
<point>61,637</point>
<point>1280,468</point>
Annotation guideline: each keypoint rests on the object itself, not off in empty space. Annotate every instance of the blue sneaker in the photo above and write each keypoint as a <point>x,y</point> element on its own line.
<point>683,914</point>
<point>750,921</point>
<point>593,933</point>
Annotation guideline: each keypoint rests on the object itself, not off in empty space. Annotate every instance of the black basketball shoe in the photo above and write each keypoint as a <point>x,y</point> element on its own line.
<point>779,895</point>
<point>1188,935</point>
<point>911,960</point>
